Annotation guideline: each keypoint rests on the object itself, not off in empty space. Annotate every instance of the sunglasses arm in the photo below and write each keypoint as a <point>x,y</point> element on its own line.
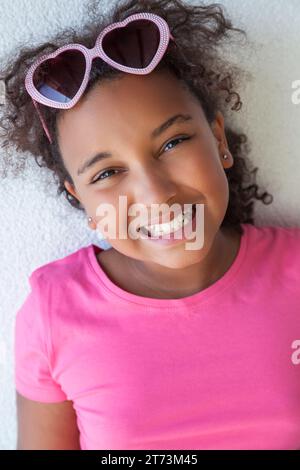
<point>172,37</point>
<point>42,120</point>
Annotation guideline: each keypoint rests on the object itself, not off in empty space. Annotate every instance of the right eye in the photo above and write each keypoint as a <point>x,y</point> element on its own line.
<point>100,176</point>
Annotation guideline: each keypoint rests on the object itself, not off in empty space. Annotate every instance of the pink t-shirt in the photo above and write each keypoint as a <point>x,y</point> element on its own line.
<point>219,369</point>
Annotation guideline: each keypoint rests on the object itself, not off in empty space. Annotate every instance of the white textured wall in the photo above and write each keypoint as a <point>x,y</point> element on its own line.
<point>37,227</point>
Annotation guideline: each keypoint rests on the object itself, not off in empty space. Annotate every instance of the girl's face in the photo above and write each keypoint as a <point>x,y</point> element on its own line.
<point>119,118</point>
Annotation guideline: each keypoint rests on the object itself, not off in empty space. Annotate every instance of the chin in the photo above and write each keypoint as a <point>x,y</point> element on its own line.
<point>180,259</point>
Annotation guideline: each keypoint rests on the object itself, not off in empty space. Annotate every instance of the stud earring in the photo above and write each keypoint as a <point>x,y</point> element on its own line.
<point>225,156</point>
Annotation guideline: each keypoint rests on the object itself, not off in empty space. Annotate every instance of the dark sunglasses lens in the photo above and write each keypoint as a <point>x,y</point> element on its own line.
<point>135,45</point>
<point>60,78</point>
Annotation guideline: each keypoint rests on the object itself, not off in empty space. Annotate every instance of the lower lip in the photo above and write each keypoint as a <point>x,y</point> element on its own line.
<point>191,226</point>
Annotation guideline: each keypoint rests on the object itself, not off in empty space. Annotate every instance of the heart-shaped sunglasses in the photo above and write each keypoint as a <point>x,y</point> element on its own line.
<point>135,45</point>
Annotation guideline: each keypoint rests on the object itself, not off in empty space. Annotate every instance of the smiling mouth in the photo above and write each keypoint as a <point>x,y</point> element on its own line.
<point>146,232</point>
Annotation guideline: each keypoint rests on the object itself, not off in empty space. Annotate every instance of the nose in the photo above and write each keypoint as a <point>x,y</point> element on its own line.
<point>153,185</point>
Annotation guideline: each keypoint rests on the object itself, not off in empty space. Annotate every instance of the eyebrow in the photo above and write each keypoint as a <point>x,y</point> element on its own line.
<point>177,118</point>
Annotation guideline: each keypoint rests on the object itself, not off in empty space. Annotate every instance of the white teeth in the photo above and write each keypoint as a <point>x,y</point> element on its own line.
<point>163,229</point>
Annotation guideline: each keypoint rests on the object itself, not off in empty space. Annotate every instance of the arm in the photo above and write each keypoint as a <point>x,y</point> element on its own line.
<point>46,426</point>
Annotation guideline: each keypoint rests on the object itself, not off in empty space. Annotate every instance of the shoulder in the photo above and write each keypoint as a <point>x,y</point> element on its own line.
<point>279,238</point>
<point>60,270</point>
<point>51,282</point>
<point>276,249</point>
<point>54,289</point>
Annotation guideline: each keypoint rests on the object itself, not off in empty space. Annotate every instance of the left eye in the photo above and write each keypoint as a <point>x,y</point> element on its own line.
<point>176,140</point>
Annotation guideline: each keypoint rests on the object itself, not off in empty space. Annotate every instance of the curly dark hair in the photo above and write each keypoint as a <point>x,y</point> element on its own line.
<point>196,60</point>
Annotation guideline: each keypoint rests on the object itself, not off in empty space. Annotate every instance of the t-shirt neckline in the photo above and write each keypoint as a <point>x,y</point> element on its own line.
<point>201,296</point>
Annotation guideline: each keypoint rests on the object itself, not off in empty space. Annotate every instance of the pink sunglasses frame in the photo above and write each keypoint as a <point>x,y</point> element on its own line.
<point>90,54</point>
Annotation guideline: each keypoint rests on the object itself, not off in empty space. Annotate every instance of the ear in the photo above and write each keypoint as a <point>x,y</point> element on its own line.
<point>71,189</point>
<point>218,129</point>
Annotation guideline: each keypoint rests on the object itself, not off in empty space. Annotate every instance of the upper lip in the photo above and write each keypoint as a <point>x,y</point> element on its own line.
<point>163,217</point>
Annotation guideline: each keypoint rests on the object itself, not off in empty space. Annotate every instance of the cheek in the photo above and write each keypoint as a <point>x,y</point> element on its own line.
<point>204,173</point>
<point>217,194</point>
<point>110,214</point>
<point>106,215</point>
<point>207,176</point>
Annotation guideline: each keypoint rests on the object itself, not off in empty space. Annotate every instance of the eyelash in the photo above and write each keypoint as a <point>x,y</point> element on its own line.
<point>112,169</point>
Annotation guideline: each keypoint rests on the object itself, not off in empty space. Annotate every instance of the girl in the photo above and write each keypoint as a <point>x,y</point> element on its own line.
<point>149,345</point>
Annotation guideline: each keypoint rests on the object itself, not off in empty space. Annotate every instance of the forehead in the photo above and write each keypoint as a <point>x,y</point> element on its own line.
<point>121,109</point>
